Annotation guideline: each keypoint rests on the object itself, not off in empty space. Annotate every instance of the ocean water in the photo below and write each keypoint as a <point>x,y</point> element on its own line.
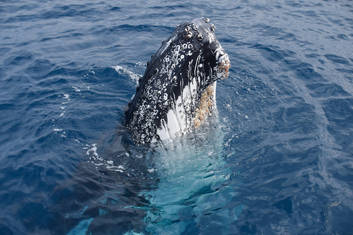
<point>279,160</point>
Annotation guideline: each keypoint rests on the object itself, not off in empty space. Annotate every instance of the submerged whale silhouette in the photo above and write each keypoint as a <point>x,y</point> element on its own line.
<point>178,90</point>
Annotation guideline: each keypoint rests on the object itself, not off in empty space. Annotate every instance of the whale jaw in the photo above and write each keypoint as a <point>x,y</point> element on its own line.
<point>177,92</point>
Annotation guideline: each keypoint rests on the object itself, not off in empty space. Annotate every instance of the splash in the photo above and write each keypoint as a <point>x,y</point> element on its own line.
<point>119,69</point>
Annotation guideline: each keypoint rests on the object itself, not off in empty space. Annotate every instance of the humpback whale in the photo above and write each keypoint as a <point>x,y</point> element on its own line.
<point>177,92</point>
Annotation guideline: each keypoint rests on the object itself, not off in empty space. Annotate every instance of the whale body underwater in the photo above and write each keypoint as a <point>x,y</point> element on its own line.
<point>177,92</point>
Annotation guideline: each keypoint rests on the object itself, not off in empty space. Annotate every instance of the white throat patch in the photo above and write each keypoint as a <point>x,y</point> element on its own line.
<point>178,122</point>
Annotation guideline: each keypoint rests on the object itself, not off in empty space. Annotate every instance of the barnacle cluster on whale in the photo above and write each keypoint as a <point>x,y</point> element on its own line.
<point>177,91</point>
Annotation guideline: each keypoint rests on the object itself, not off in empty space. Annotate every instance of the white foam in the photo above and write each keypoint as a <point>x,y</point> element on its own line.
<point>119,168</point>
<point>76,89</point>
<point>67,96</point>
<point>119,69</point>
<point>93,154</point>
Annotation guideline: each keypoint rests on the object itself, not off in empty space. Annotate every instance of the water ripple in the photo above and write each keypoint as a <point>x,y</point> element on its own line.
<point>281,165</point>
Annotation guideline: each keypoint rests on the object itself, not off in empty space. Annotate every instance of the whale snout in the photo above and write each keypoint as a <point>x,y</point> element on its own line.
<point>205,33</point>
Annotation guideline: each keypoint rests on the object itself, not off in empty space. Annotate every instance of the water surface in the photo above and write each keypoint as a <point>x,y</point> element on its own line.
<point>279,161</point>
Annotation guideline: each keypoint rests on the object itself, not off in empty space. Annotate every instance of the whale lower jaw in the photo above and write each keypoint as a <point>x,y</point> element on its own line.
<point>179,120</point>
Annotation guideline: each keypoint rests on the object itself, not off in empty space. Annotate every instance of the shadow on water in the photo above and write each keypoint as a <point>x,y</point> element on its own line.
<point>103,196</point>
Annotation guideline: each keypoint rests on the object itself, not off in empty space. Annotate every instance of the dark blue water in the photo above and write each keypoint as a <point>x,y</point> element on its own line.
<point>279,162</point>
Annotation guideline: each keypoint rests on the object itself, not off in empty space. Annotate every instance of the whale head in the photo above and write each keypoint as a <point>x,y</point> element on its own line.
<point>177,91</point>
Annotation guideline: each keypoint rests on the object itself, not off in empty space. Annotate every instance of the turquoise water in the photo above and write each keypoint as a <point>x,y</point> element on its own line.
<point>278,161</point>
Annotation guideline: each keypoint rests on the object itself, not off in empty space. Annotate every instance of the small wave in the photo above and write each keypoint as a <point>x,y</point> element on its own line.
<point>63,104</point>
<point>98,161</point>
<point>76,89</point>
<point>119,69</point>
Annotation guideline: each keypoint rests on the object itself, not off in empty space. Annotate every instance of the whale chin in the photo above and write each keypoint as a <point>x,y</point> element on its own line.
<point>178,90</point>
